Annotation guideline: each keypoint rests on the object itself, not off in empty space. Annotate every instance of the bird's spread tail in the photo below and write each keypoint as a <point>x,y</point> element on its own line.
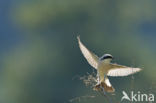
<point>104,85</point>
<point>107,88</point>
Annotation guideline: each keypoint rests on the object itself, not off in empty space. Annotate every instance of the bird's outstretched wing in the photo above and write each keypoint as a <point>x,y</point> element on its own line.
<point>91,57</point>
<point>119,70</point>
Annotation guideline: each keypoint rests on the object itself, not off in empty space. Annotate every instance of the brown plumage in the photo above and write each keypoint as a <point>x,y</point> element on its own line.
<point>104,86</point>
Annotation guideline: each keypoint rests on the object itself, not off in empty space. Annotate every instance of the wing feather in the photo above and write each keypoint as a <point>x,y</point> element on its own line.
<point>90,57</point>
<point>119,70</point>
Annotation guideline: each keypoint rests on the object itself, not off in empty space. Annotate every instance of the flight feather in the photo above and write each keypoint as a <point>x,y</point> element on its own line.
<point>90,56</point>
<point>119,70</point>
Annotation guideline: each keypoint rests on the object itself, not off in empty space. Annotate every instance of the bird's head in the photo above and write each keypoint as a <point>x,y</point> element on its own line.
<point>106,57</point>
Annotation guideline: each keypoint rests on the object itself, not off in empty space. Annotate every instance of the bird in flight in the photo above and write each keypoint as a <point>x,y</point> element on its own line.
<point>105,68</point>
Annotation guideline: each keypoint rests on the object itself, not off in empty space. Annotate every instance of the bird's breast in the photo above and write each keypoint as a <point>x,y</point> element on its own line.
<point>103,67</point>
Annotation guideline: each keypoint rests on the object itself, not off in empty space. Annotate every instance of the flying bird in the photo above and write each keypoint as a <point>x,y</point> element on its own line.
<point>105,68</point>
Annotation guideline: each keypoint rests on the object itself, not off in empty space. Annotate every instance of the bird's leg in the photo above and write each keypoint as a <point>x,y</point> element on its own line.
<point>99,85</point>
<point>103,90</point>
<point>102,86</point>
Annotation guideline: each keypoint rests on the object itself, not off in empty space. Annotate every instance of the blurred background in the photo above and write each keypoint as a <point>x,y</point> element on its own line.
<point>39,53</point>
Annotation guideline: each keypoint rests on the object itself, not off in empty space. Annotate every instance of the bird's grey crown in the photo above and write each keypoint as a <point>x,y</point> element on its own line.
<point>106,56</point>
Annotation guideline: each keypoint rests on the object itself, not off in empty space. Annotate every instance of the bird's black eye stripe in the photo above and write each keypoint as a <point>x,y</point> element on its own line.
<point>106,57</point>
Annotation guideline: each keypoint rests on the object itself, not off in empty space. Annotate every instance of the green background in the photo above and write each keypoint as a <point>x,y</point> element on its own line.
<point>40,54</point>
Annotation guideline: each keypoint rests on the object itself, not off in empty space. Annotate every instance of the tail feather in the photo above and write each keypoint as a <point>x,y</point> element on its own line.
<point>105,85</point>
<point>107,88</point>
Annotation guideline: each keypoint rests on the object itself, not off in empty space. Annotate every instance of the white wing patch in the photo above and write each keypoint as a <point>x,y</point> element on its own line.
<point>122,71</point>
<point>107,82</point>
<point>91,58</point>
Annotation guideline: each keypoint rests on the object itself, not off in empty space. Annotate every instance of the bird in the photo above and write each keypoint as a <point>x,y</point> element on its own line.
<point>105,68</point>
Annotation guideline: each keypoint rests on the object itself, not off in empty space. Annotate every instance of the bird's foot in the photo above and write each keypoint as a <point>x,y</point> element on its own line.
<point>99,87</point>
